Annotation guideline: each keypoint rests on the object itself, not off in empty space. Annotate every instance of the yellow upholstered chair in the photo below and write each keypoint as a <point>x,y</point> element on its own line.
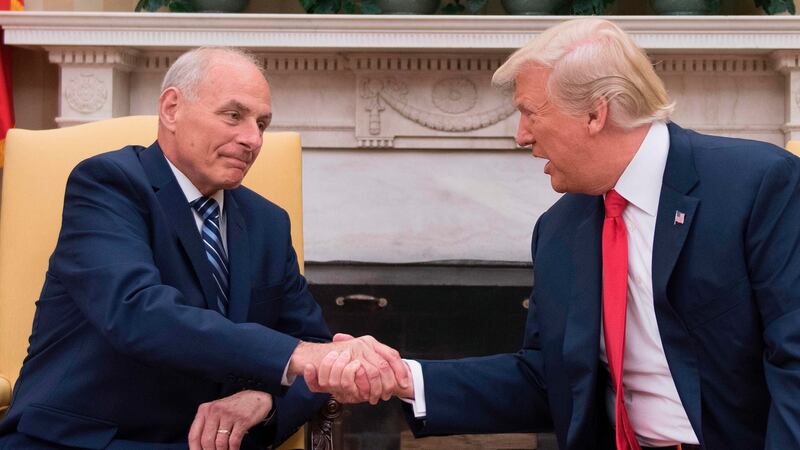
<point>794,147</point>
<point>37,164</point>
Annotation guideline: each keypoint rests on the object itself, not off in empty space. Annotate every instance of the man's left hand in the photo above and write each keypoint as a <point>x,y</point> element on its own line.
<point>222,424</point>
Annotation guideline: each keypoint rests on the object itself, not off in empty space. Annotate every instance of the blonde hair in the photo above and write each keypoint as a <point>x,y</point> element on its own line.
<point>191,67</point>
<point>592,59</point>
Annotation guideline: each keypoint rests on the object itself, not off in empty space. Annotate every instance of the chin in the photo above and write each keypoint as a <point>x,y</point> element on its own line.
<point>233,180</point>
<point>231,184</point>
<point>560,188</point>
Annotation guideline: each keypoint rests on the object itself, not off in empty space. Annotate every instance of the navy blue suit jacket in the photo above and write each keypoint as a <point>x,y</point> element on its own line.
<point>126,340</point>
<point>726,288</point>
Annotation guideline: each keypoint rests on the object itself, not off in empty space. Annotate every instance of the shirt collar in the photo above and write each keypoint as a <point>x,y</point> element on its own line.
<point>641,181</point>
<point>190,190</point>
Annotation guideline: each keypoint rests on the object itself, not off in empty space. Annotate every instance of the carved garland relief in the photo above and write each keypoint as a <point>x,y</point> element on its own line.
<point>452,96</point>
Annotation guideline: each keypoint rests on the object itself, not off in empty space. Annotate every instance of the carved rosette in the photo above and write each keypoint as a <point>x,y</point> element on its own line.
<point>86,93</point>
<point>454,95</point>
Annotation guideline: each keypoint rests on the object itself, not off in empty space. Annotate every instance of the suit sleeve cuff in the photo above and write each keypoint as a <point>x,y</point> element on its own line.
<point>418,402</point>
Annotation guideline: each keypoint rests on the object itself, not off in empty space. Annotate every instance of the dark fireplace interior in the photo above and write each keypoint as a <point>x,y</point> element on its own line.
<point>426,311</point>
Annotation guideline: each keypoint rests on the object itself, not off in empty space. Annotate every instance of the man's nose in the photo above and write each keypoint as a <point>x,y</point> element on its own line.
<point>523,136</point>
<point>250,135</point>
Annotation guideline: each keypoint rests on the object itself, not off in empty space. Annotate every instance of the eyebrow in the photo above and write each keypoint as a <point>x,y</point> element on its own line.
<point>518,102</point>
<point>234,104</point>
<point>544,105</point>
<point>523,104</point>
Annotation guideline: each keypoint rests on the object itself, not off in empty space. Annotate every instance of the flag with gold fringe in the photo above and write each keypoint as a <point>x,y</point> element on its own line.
<point>6,95</point>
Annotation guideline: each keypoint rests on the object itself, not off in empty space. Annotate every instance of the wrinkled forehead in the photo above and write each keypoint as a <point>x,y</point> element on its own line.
<point>530,83</point>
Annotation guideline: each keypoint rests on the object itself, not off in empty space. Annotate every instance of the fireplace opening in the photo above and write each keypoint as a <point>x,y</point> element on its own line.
<point>435,310</point>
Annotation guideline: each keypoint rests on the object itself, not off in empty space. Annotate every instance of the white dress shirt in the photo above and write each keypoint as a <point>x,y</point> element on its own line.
<point>654,408</point>
<point>192,193</point>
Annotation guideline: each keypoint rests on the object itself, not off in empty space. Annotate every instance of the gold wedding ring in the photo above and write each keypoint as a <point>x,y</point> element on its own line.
<point>224,431</point>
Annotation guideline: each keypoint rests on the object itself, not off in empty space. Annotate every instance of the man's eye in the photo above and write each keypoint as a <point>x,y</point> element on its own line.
<point>262,125</point>
<point>234,115</point>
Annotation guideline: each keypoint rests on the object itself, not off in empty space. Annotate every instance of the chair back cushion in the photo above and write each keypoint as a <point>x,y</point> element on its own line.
<point>794,147</point>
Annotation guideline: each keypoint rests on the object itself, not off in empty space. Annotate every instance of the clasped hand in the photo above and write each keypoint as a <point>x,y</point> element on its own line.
<point>357,370</point>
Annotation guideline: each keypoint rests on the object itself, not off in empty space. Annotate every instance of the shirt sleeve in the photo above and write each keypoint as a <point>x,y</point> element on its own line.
<point>418,402</point>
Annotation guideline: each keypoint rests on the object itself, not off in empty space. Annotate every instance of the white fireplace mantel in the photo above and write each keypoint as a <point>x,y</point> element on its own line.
<point>408,150</point>
<point>390,68</point>
<point>751,34</point>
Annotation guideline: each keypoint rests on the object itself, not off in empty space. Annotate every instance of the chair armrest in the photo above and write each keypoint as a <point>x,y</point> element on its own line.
<point>5,394</point>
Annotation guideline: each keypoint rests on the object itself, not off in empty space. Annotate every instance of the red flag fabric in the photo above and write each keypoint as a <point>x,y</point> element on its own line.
<point>6,94</point>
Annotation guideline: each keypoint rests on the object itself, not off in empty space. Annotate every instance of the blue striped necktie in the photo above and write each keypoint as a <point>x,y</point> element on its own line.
<point>215,252</point>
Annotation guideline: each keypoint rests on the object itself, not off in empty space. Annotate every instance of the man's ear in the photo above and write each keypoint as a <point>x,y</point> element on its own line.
<point>598,117</point>
<point>168,105</point>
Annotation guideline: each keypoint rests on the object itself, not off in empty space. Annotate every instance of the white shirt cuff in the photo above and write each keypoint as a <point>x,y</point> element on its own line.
<point>418,402</point>
<point>285,379</point>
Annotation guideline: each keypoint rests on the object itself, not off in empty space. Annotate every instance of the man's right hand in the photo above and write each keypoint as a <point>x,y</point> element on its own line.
<point>346,377</point>
<point>353,369</point>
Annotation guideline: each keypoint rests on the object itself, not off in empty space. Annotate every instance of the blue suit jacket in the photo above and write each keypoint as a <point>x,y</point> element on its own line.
<point>726,288</point>
<point>126,340</point>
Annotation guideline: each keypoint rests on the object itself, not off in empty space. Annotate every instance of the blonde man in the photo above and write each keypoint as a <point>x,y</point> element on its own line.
<point>667,279</point>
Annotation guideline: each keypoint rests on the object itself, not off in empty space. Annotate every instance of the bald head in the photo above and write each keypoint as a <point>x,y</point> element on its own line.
<point>191,68</point>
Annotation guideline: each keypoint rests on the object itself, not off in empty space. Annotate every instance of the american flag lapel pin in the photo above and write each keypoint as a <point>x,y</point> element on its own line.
<point>680,216</point>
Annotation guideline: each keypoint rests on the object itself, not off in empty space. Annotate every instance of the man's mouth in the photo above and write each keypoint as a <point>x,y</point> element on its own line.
<point>238,162</point>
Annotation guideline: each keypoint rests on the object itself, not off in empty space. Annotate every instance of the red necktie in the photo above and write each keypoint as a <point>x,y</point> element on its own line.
<point>615,300</point>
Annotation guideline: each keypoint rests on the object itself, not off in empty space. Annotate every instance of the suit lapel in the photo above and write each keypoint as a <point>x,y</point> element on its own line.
<point>582,336</point>
<point>680,177</point>
<point>239,259</point>
<point>179,215</point>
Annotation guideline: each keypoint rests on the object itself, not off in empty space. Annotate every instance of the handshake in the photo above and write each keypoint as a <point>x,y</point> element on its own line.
<point>353,370</point>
